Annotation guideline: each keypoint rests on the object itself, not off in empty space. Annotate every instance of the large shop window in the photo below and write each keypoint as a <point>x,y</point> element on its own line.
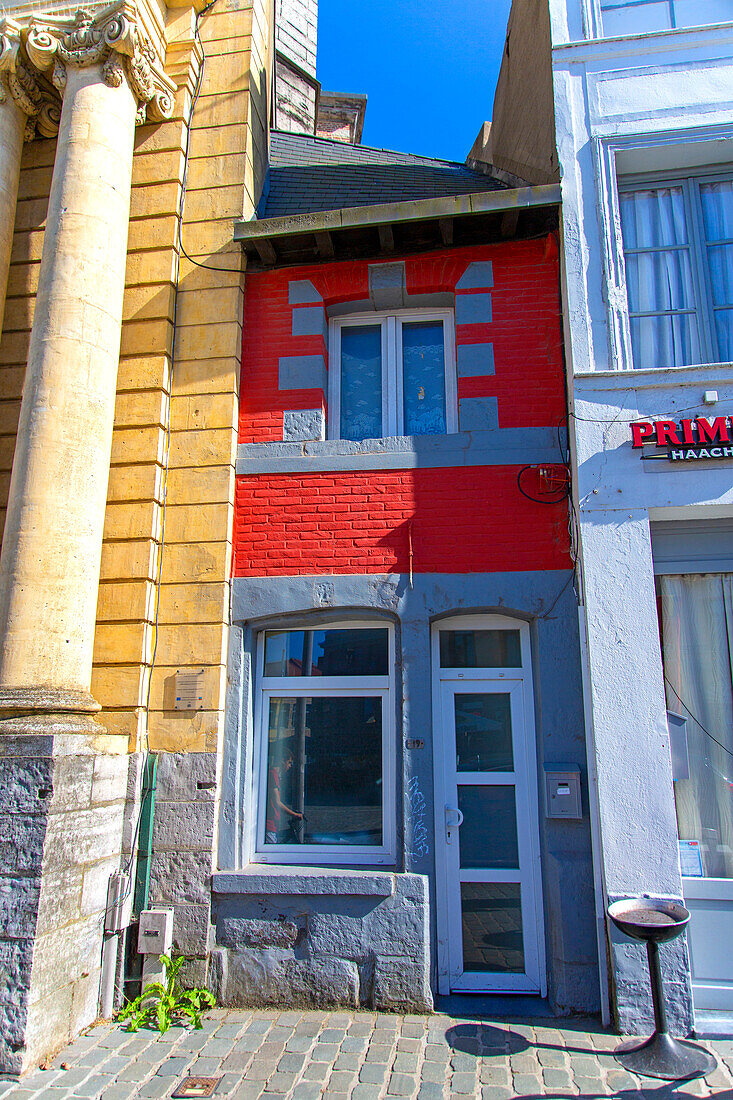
<point>678,251</point>
<point>696,616</point>
<point>326,746</point>
<point>392,374</point>
<point>643,16</point>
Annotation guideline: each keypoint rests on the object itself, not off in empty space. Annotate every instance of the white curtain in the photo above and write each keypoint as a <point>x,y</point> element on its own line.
<point>717,213</point>
<point>697,643</point>
<point>659,278</point>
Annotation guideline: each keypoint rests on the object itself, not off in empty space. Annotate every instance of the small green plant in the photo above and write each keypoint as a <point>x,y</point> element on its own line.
<point>159,1005</point>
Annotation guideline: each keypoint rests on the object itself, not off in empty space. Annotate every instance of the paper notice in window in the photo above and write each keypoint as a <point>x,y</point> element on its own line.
<point>690,859</point>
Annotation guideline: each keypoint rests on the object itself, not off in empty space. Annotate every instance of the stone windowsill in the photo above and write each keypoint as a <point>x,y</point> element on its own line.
<point>304,880</point>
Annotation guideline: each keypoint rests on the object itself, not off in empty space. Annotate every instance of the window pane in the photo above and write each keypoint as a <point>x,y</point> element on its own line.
<point>665,341</point>
<point>492,927</point>
<point>653,218</point>
<point>724,331</point>
<point>636,18</point>
<point>488,835</point>
<point>659,281</point>
<point>480,649</point>
<point>324,771</point>
<point>361,382</point>
<point>720,263</point>
<point>326,652</point>
<point>717,210</point>
<point>696,613</point>
<point>423,363</point>
<point>483,732</point>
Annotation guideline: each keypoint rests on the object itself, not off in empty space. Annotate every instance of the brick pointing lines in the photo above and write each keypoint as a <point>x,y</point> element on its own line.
<point>463,521</point>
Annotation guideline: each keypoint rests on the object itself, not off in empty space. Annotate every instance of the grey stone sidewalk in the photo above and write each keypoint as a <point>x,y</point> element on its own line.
<point>361,1056</point>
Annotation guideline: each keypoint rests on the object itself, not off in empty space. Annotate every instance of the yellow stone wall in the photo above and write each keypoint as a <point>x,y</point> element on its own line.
<point>177,399</point>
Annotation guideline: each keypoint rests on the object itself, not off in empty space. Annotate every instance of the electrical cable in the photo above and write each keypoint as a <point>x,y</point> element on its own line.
<point>696,719</point>
<point>542,500</point>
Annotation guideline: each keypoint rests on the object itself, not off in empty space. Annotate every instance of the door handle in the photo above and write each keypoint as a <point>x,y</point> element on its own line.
<point>453,822</point>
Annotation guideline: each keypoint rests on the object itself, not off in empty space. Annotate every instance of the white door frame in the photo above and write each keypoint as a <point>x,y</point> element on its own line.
<point>441,677</point>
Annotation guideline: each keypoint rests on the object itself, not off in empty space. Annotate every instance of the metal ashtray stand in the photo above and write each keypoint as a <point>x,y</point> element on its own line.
<point>654,922</point>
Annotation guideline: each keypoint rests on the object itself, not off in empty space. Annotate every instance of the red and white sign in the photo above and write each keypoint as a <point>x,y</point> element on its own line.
<point>685,439</point>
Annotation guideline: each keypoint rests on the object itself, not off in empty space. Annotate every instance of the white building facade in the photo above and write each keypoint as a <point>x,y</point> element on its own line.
<point>643,91</point>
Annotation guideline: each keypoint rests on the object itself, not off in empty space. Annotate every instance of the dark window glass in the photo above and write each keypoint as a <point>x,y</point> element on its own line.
<point>492,927</point>
<point>324,771</point>
<point>488,835</point>
<point>480,649</point>
<point>326,652</point>
<point>483,732</point>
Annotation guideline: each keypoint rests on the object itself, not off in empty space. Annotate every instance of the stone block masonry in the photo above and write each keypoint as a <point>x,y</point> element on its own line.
<point>61,811</point>
<point>300,936</point>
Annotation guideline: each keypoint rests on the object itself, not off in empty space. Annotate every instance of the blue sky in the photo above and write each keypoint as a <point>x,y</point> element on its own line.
<point>428,67</point>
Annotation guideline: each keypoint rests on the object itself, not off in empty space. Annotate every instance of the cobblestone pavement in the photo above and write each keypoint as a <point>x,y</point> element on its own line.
<point>356,1055</point>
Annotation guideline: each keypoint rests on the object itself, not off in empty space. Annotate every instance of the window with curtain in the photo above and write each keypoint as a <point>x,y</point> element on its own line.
<point>678,252</point>
<point>392,374</point>
<point>696,618</point>
<point>643,16</point>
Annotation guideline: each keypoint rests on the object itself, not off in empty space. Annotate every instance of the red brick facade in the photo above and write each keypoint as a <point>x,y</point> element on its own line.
<point>456,520</point>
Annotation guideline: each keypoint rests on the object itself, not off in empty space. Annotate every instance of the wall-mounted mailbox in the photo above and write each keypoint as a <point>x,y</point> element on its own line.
<point>155,934</point>
<point>562,791</point>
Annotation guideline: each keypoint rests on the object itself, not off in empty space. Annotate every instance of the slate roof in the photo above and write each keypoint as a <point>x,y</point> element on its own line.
<point>308,174</point>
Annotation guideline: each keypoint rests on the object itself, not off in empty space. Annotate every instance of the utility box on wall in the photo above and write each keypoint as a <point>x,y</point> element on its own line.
<point>562,792</point>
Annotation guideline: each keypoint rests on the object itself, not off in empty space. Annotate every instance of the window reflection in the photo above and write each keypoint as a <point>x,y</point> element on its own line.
<point>326,652</point>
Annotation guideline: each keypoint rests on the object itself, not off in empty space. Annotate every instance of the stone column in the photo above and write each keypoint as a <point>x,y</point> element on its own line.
<point>27,106</point>
<point>64,781</point>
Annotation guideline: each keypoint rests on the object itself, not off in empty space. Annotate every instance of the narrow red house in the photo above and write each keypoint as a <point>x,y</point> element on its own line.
<point>405,802</point>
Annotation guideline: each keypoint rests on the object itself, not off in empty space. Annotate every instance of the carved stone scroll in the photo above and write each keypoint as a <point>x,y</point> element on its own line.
<point>32,93</point>
<point>112,38</point>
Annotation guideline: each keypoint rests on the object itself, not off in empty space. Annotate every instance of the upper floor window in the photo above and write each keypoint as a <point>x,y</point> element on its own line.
<point>678,252</point>
<point>392,374</point>
<point>644,16</point>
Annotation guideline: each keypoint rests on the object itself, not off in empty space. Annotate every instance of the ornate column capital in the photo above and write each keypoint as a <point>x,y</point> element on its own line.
<point>33,95</point>
<point>112,38</point>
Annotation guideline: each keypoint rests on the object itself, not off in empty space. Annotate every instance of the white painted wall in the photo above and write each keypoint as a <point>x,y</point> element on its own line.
<point>634,104</point>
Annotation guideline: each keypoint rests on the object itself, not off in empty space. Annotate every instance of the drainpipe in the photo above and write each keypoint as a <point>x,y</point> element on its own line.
<point>145,840</point>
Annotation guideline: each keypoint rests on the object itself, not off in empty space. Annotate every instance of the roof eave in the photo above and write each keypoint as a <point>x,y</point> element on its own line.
<point>392,213</point>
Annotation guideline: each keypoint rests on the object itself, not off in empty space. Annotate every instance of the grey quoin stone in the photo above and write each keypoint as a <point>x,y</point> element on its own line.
<point>302,372</point>
<point>309,321</point>
<point>477,276</point>
<point>473,309</point>
<point>476,414</point>
<point>387,285</point>
<point>300,424</point>
<point>302,292</point>
<point>474,360</point>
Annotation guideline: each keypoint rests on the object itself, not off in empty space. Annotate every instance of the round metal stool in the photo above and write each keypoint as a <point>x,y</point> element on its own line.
<point>654,922</point>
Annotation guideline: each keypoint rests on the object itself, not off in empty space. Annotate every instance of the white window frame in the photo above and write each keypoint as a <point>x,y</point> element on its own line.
<point>629,5</point>
<point>309,687</point>
<point>392,381</point>
<point>703,308</point>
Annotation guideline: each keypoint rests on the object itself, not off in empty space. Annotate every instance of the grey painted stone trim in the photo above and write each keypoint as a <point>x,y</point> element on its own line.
<point>302,292</point>
<point>473,309</point>
<point>302,372</point>
<point>388,285</point>
<point>474,360</point>
<point>477,276</point>
<point>442,299</point>
<point>303,424</point>
<point>477,413</point>
<point>304,880</point>
<point>309,321</point>
<point>493,447</point>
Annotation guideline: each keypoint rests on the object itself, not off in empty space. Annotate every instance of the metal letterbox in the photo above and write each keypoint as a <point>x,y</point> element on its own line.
<point>155,934</point>
<point>562,791</point>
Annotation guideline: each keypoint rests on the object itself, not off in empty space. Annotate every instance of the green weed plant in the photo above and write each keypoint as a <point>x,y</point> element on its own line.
<point>161,1005</point>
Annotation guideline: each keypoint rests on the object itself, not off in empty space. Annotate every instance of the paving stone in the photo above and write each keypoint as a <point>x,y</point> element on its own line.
<point>248,1090</point>
<point>435,1053</point>
<point>228,1083</point>
<point>590,1086</point>
<point>341,1080</point>
<point>348,1061</point>
<point>173,1067</point>
<point>549,1057</point>
<point>118,1092</point>
<point>496,1092</point>
<point>430,1090</point>
<point>307,1090</point>
<point>237,1061</point>
<point>433,1071</point>
<point>205,1067</point>
<point>217,1048</point>
<point>299,1044</point>
<point>556,1078</point>
<point>463,1063</point>
<point>324,1052</point>
<point>366,1092</point>
<point>73,1077</point>
<point>93,1086</point>
<point>353,1044</point>
<point>229,1031</point>
<point>361,1026</point>
<point>156,1086</point>
<point>463,1084</point>
<point>405,1063</point>
<point>316,1071</point>
<point>262,1068</point>
<point>495,1074</point>
<point>401,1084</point>
<point>249,1041</point>
<point>410,1046</point>
<point>526,1084</point>
<point>378,1052</point>
<point>373,1073</point>
<point>281,1082</point>
<point>258,1026</point>
<point>135,1071</point>
<point>291,1063</point>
